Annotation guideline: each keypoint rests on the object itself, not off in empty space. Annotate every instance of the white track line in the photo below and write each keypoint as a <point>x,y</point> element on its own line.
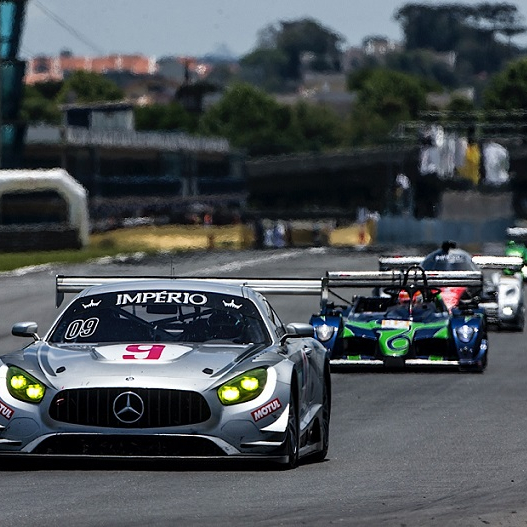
<point>236,266</point>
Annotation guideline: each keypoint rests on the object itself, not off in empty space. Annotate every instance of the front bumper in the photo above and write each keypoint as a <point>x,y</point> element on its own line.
<point>407,362</point>
<point>496,316</point>
<point>151,446</point>
<point>85,426</point>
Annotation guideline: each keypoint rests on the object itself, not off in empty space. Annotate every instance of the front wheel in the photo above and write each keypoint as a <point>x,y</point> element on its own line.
<point>477,368</point>
<point>292,439</point>
<point>326,412</point>
<point>520,321</point>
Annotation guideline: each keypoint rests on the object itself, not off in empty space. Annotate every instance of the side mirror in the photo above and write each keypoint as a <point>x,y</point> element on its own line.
<point>297,330</point>
<point>26,329</point>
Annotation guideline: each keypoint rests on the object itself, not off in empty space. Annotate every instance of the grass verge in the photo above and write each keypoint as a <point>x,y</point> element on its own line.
<point>170,238</point>
<point>147,239</point>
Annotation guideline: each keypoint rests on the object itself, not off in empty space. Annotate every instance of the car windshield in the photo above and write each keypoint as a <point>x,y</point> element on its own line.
<point>160,316</point>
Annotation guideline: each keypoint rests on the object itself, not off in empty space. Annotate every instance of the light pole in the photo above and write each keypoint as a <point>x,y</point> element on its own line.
<point>1,82</point>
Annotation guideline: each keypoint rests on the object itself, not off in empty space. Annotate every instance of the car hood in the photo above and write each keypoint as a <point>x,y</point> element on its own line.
<point>191,366</point>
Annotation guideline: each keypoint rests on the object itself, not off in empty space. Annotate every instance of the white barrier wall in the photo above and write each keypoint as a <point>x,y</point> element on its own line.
<point>58,180</point>
<point>399,230</point>
<point>468,217</point>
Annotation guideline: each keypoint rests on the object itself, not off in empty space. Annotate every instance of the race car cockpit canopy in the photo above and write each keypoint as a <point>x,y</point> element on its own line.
<point>449,258</point>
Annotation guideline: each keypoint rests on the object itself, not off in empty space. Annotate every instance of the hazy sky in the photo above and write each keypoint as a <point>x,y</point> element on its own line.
<point>197,27</point>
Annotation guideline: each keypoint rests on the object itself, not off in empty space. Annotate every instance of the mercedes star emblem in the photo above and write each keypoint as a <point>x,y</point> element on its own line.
<point>128,407</point>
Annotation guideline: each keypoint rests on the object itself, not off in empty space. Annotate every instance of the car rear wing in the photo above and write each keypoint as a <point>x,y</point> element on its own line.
<point>518,234</point>
<point>514,263</point>
<point>398,262</point>
<point>397,277</point>
<point>290,286</point>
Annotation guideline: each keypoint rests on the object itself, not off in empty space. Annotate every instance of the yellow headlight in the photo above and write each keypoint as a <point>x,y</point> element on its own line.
<point>250,384</point>
<point>18,382</point>
<point>35,392</point>
<point>23,386</point>
<point>229,393</point>
<point>244,387</point>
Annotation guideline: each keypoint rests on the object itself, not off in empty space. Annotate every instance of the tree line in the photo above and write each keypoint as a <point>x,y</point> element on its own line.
<point>387,90</point>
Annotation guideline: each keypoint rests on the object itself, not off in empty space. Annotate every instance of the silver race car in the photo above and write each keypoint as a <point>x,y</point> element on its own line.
<point>166,368</point>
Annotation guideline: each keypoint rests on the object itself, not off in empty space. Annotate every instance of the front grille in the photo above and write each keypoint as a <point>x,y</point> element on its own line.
<point>161,408</point>
<point>434,347</point>
<point>127,446</point>
<point>356,346</point>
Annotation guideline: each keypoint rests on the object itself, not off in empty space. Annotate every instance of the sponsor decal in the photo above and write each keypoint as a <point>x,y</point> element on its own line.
<point>91,303</point>
<point>395,324</point>
<point>232,304</point>
<point>266,409</point>
<point>6,411</point>
<point>161,297</point>
<point>449,258</point>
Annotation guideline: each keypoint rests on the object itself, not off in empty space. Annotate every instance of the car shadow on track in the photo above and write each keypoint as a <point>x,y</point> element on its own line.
<point>28,464</point>
<point>395,370</point>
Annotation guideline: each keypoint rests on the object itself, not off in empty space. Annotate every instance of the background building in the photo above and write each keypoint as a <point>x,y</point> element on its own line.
<point>12,73</point>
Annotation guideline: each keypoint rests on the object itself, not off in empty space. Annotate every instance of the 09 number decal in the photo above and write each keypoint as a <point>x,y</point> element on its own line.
<point>81,328</point>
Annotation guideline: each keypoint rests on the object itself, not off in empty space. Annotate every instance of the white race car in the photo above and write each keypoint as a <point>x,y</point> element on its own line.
<point>502,296</point>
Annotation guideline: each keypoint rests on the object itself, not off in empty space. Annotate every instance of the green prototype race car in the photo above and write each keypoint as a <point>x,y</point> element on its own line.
<point>404,323</point>
<point>517,246</point>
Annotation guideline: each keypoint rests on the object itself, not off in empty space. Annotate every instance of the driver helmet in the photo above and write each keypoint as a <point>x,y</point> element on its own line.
<point>404,297</point>
<point>418,297</point>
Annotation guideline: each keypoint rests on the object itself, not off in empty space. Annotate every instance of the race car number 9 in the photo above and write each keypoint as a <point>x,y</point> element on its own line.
<point>137,352</point>
<point>81,328</point>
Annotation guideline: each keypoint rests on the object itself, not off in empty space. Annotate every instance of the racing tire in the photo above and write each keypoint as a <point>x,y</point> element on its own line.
<point>484,362</point>
<point>324,425</point>
<point>479,368</point>
<point>292,436</point>
<point>520,322</point>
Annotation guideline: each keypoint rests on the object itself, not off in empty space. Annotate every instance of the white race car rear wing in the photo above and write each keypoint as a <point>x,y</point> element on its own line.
<point>514,263</point>
<point>518,234</point>
<point>289,286</point>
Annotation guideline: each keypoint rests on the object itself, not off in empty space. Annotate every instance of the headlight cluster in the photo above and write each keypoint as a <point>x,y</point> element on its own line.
<point>244,387</point>
<point>324,332</point>
<point>465,333</point>
<point>512,291</point>
<point>510,296</point>
<point>23,386</point>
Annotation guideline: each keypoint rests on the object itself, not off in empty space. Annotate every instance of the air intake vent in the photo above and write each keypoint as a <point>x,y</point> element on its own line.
<point>129,408</point>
